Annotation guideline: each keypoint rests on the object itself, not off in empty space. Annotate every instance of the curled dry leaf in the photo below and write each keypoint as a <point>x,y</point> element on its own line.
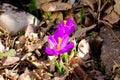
<point>56,6</point>
<point>112,17</point>
<point>25,75</point>
<point>84,49</point>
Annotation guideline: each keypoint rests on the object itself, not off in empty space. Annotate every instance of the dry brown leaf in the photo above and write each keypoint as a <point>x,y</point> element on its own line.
<point>117,77</point>
<point>32,47</point>
<point>77,18</point>
<point>10,60</point>
<point>112,17</point>
<point>51,61</point>
<point>81,32</point>
<point>117,6</point>
<point>56,16</point>
<point>43,1</point>
<point>25,75</point>
<point>109,10</point>
<point>72,2</point>
<point>30,29</point>
<point>33,42</point>
<point>88,21</point>
<point>56,6</point>
<point>1,77</point>
<point>77,60</point>
<point>21,42</point>
<point>91,3</point>
<point>11,74</point>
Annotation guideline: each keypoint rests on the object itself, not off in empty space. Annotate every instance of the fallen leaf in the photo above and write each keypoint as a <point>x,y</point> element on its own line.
<point>81,32</point>
<point>40,2</point>
<point>91,3</point>
<point>56,16</point>
<point>112,17</point>
<point>25,75</point>
<point>88,21</point>
<point>117,77</point>
<point>10,60</point>
<point>56,6</point>
<point>109,10</point>
<point>11,74</point>
<point>30,29</point>
<point>117,6</point>
<point>72,2</point>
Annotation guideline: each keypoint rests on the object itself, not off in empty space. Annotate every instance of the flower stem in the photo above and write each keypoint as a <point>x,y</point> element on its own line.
<point>59,57</point>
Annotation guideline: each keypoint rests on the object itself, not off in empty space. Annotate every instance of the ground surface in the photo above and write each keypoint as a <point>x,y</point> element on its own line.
<point>95,57</point>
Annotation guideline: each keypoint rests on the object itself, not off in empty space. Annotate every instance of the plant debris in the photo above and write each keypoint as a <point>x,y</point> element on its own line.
<point>59,40</point>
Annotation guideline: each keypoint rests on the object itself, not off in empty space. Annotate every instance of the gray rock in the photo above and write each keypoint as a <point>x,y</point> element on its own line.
<point>13,19</point>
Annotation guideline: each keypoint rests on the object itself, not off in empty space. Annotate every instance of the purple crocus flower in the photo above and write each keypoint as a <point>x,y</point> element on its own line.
<point>58,43</point>
<point>68,26</point>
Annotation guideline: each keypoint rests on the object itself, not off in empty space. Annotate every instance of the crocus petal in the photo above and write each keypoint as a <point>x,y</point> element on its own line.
<point>67,48</point>
<point>65,40</point>
<point>58,33</point>
<point>70,22</point>
<point>69,27</point>
<point>61,24</point>
<point>52,51</point>
<point>49,51</point>
<point>52,42</point>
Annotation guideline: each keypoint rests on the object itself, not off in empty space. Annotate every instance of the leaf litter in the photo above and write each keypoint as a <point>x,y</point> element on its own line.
<point>96,41</point>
